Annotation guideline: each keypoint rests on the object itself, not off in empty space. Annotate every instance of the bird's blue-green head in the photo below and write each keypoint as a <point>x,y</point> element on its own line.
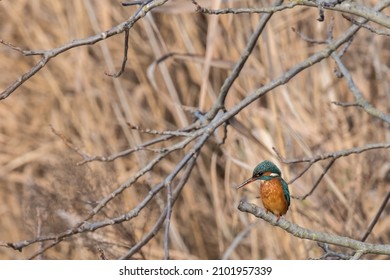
<point>265,171</point>
<point>266,168</point>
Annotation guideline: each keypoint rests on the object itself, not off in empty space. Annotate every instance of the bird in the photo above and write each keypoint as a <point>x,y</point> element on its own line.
<point>274,192</point>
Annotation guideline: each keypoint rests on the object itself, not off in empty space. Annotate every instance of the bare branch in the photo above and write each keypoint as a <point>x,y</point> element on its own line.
<point>303,233</point>
<point>357,9</point>
<point>85,226</point>
<point>345,104</point>
<point>348,7</point>
<point>220,103</point>
<point>333,156</point>
<point>165,132</point>
<point>49,54</point>
<point>158,225</point>
<point>358,254</point>
<point>264,10</point>
<point>190,141</point>
<point>132,3</point>
<point>367,26</point>
<point>88,158</point>
<point>357,93</point>
<point>337,154</point>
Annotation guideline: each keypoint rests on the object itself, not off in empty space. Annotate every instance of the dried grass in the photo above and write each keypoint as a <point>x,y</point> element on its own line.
<point>43,192</point>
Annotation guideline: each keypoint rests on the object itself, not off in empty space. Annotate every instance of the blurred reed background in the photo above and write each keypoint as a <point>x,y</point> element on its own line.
<point>43,191</point>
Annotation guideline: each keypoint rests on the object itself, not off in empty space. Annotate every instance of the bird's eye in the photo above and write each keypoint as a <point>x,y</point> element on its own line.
<point>259,174</point>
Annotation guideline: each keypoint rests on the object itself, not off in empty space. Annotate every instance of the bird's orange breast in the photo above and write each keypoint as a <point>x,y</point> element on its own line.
<point>272,196</point>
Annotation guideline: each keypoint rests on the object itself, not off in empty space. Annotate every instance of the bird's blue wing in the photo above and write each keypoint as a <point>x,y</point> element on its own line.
<point>285,191</point>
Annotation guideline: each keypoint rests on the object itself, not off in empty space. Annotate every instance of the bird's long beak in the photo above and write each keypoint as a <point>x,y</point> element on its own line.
<point>246,182</point>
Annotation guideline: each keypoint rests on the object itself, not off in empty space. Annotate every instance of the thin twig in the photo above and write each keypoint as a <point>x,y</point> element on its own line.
<point>345,104</point>
<point>307,39</point>
<point>124,60</point>
<point>157,132</point>
<point>168,186</point>
<point>376,218</point>
<point>69,143</point>
<point>134,3</point>
<point>303,197</point>
<point>15,48</point>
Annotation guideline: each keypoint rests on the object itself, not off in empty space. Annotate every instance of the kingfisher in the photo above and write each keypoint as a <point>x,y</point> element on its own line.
<point>274,191</point>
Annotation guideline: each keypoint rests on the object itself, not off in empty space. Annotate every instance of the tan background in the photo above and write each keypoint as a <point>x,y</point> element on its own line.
<point>43,191</point>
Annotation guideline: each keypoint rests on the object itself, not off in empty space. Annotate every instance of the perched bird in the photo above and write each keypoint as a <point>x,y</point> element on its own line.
<point>274,191</point>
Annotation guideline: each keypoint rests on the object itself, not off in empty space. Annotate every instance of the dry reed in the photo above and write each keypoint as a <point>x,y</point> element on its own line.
<point>44,192</point>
